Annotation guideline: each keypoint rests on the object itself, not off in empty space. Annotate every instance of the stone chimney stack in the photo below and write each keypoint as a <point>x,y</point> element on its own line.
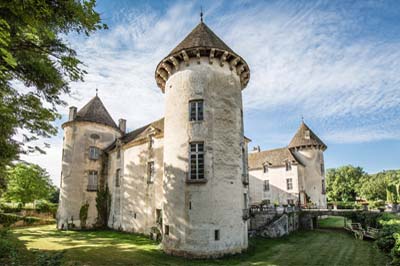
<point>122,125</point>
<point>256,148</point>
<point>72,113</point>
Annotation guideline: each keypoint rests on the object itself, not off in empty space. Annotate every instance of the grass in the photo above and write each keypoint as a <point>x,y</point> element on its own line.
<point>331,222</point>
<point>318,247</point>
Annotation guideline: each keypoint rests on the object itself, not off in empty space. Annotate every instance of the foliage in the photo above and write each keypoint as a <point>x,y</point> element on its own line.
<point>346,205</point>
<point>342,183</point>
<point>376,204</point>
<point>83,214</point>
<point>389,240</point>
<point>373,187</point>
<point>55,195</point>
<point>103,203</point>
<point>7,219</point>
<point>49,259</point>
<point>35,56</point>
<point>44,206</point>
<point>27,182</point>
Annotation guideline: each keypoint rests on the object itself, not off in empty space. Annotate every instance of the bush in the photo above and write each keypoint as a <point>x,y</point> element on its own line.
<point>49,259</point>
<point>346,205</point>
<point>376,204</point>
<point>389,239</point>
<point>46,207</point>
<point>5,248</point>
<point>9,219</point>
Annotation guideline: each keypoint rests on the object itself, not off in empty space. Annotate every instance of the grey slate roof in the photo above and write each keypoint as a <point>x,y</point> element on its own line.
<point>299,139</point>
<point>94,111</point>
<point>273,158</point>
<point>201,36</point>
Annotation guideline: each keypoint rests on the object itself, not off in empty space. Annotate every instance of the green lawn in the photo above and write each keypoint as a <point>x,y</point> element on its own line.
<point>319,247</point>
<point>331,222</point>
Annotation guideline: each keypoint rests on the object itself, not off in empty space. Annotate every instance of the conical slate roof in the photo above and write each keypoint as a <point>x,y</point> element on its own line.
<point>201,36</point>
<point>301,138</point>
<point>94,111</point>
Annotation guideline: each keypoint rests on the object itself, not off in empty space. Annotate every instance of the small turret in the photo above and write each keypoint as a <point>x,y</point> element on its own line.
<point>86,134</point>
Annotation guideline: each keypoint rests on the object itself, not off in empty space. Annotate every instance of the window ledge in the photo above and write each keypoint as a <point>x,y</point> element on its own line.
<point>196,181</point>
<point>150,182</point>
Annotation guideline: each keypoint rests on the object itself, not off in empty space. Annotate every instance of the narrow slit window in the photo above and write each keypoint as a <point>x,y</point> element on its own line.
<point>265,168</point>
<point>117,177</point>
<point>166,230</point>
<point>323,187</point>
<point>216,235</point>
<point>288,166</point>
<point>151,142</point>
<point>196,158</point>
<point>196,110</point>
<point>150,172</point>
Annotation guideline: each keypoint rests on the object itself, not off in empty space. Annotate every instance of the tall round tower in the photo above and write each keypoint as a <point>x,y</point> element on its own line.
<point>86,134</point>
<point>309,149</point>
<point>205,170</point>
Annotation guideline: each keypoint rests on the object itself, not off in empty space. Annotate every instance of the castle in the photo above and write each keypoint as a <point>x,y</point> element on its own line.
<point>186,174</point>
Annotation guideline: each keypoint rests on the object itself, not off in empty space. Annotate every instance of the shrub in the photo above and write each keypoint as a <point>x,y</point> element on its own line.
<point>5,248</point>
<point>49,259</point>
<point>9,219</point>
<point>377,204</point>
<point>46,207</point>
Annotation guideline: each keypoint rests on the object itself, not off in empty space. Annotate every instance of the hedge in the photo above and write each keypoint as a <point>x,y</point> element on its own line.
<point>7,220</point>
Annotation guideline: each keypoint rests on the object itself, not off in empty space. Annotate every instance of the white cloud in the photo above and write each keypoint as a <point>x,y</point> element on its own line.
<point>304,60</point>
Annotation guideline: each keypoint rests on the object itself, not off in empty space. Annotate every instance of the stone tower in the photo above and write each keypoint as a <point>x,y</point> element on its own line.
<point>205,165</point>
<point>309,149</point>
<point>86,134</point>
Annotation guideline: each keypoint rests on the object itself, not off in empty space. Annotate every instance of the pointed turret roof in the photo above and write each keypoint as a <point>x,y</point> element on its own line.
<point>201,42</point>
<point>201,36</point>
<point>306,137</point>
<point>95,111</point>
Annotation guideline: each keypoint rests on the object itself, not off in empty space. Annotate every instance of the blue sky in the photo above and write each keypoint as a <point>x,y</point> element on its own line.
<point>337,63</point>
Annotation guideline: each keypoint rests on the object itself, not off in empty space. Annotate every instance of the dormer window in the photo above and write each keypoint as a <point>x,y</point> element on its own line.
<point>288,165</point>
<point>94,153</point>
<point>196,110</point>
<point>307,134</point>
<point>265,168</point>
<point>151,141</point>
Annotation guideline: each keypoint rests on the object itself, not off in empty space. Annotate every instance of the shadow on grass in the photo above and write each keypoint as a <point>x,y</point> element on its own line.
<point>320,247</point>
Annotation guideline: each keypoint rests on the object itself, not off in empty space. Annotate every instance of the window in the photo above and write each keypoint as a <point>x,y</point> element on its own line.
<point>94,153</point>
<point>158,216</point>
<point>190,205</point>
<point>92,182</point>
<point>118,153</point>
<point>290,202</point>
<point>150,172</point>
<point>166,230</point>
<point>151,142</point>
<point>196,110</point>
<point>245,200</point>
<point>323,187</point>
<point>117,177</point>
<point>216,235</point>
<point>288,166</point>
<point>196,161</point>
<point>244,165</point>
<point>265,168</point>
<point>266,185</point>
<point>289,183</point>
<point>322,169</point>
<point>307,134</point>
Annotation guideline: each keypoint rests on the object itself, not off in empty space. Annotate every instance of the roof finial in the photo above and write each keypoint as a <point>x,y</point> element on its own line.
<point>302,118</point>
<point>97,91</point>
<point>201,14</point>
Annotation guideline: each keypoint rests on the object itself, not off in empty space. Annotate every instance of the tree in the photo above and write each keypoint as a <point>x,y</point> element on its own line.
<point>373,187</point>
<point>343,183</point>
<point>36,67</point>
<point>27,182</point>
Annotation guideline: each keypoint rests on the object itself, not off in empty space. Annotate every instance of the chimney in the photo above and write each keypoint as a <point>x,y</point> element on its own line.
<point>122,125</point>
<point>256,148</point>
<point>72,113</point>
